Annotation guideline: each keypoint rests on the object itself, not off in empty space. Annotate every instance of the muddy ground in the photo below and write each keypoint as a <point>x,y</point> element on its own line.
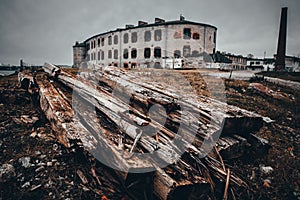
<point>53,172</point>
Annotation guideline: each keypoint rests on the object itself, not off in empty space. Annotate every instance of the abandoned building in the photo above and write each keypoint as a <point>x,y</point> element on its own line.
<point>147,45</point>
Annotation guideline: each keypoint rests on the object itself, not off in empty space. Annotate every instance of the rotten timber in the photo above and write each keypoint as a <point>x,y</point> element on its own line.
<point>166,183</point>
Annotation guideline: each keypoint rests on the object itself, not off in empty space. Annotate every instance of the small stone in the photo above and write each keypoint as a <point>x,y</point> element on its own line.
<point>6,171</point>
<point>27,184</point>
<point>266,169</point>
<point>267,183</point>
<point>40,169</point>
<point>25,162</point>
<point>33,134</point>
<point>55,147</point>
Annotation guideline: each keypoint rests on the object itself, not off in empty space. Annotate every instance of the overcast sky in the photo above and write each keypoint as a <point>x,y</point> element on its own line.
<point>45,30</point>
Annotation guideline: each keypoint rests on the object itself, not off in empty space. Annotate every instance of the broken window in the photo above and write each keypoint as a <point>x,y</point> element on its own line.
<point>102,55</point>
<point>147,53</point>
<point>157,35</point>
<point>125,54</point>
<point>94,43</point>
<point>177,54</point>
<point>102,41</point>
<point>98,55</point>
<point>186,51</point>
<point>133,53</point>
<point>115,39</point>
<point>196,36</point>
<point>109,54</point>
<point>187,33</point>
<point>134,37</point>
<point>116,54</point>
<point>109,40</point>
<point>147,36</point>
<point>157,52</point>
<point>195,53</point>
<point>98,42</point>
<point>125,38</point>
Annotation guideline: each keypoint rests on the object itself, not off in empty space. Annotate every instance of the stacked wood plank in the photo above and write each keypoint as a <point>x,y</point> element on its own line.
<point>121,108</point>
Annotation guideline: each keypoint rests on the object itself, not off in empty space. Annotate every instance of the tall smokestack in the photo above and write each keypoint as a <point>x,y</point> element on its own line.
<point>281,46</point>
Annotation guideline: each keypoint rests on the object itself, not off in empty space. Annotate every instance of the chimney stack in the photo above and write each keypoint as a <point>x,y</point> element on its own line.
<point>281,46</point>
<point>158,20</point>
<point>141,23</point>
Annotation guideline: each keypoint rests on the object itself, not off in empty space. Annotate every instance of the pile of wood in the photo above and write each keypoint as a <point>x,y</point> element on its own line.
<point>109,114</point>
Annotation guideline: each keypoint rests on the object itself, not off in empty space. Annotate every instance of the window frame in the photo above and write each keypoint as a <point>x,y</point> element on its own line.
<point>116,39</point>
<point>187,33</point>
<point>116,54</point>
<point>157,52</point>
<point>133,55</point>
<point>158,35</point>
<point>147,36</point>
<point>134,37</point>
<point>146,52</point>
<point>126,38</point>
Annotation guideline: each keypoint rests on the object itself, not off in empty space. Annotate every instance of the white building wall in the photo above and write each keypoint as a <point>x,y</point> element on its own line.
<point>168,44</point>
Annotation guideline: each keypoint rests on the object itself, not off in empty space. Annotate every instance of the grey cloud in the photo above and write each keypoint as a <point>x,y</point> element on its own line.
<point>40,31</point>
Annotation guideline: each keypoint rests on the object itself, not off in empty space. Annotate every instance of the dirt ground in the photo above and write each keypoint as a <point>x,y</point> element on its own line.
<point>52,172</point>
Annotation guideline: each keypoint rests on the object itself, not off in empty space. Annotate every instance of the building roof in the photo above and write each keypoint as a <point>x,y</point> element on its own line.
<point>175,22</point>
<point>220,58</point>
<point>77,44</point>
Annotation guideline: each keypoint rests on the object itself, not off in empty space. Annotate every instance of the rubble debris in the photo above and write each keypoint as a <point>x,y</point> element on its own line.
<point>25,162</point>
<point>61,181</point>
<point>266,169</point>
<point>29,119</point>
<point>235,120</point>
<point>267,183</point>
<point>260,88</point>
<point>6,171</point>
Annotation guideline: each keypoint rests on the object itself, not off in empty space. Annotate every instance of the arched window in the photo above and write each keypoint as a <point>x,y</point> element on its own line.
<point>134,37</point>
<point>133,53</point>
<point>147,52</point>
<point>187,33</point>
<point>109,54</point>
<point>125,38</point>
<point>157,52</point>
<point>157,35</point>
<point>102,55</point>
<point>196,36</point>
<point>116,54</point>
<point>109,40</point>
<point>115,39</point>
<point>177,54</point>
<point>125,54</point>
<point>147,36</point>
<point>195,53</point>
<point>177,35</point>
<point>186,51</point>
